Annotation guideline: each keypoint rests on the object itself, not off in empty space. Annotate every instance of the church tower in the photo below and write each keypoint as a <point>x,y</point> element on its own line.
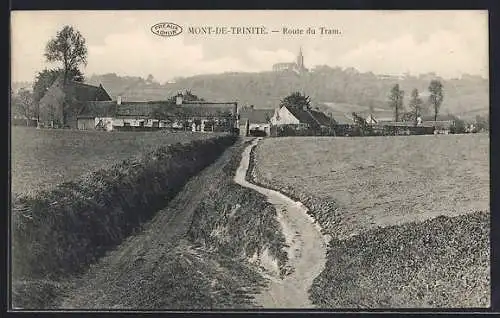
<point>300,60</point>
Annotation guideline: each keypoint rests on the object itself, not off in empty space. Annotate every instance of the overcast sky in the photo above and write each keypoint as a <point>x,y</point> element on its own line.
<point>448,43</point>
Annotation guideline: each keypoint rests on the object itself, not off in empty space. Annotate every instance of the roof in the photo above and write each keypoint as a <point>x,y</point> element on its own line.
<point>139,109</point>
<point>98,109</point>
<point>440,117</point>
<point>341,118</point>
<point>207,109</point>
<point>84,92</point>
<point>256,116</point>
<point>311,117</point>
<point>146,109</point>
<point>371,119</point>
<point>303,116</point>
<point>438,124</point>
<point>321,118</point>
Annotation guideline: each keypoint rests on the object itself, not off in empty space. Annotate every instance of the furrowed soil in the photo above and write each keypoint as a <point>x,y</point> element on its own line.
<point>409,216</point>
<point>196,253</point>
<point>42,158</point>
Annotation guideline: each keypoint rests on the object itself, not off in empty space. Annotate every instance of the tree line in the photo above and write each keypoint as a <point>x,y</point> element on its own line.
<point>416,104</point>
<point>418,107</point>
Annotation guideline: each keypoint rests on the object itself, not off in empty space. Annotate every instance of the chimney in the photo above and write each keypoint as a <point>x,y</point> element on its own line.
<point>118,100</point>
<point>178,99</point>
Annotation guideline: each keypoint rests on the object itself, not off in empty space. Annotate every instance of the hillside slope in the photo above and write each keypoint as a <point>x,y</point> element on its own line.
<point>468,95</point>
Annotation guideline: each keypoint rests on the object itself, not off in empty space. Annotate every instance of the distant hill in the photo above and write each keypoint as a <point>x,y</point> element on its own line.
<point>16,86</point>
<point>330,89</point>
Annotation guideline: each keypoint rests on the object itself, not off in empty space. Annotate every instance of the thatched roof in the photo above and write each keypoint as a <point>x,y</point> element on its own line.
<point>255,116</point>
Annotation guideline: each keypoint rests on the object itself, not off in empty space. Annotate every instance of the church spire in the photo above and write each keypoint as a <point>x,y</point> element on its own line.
<point>300,59</point>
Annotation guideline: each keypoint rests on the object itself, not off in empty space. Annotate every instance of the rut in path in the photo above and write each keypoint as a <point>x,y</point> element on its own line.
<point>307,251</point>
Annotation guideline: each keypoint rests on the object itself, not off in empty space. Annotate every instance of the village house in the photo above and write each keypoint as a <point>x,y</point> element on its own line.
<point>184,115</point>
<point>254,121</point>
<point>301,118</point>
<point>62,103</point>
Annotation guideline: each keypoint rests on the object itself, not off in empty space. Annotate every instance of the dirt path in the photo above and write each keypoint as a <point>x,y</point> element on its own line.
<point>307,252</point>
<point>106,284</point>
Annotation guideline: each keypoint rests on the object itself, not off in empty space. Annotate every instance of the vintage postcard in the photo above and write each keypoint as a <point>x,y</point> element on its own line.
<point>207,160</point>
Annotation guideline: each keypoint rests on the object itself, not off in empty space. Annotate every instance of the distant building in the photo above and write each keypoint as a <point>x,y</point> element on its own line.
<point>390,77</point>
<point>304,118</point>
<point>297,66</point>
<point>62,103</point>
<point>258,120</point>
<point>184,115</point>
<point>371,120</point>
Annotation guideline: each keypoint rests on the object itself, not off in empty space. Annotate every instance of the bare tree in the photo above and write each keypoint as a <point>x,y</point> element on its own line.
<point>23,104</point>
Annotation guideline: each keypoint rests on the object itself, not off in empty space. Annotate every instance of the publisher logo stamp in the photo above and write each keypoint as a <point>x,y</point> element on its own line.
<point>166,29</point>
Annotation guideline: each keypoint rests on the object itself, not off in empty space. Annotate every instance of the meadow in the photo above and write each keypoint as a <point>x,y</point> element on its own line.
<point>40,159</point>
<point>408,216</point>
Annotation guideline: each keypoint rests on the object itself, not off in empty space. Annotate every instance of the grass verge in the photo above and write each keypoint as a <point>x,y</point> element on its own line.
<point>61,231</point>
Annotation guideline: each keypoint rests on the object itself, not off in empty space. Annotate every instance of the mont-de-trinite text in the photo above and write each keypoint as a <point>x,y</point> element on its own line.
<point>223,30</point>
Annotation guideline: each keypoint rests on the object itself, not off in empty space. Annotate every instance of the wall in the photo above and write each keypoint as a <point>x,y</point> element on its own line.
<point>51,105</point>
<point>106,121</point>
<point>285,118</point>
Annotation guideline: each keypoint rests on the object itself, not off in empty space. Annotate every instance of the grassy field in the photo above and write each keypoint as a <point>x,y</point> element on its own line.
<point>408,216</point>
<point>41,159</point>
<point>380,181</point>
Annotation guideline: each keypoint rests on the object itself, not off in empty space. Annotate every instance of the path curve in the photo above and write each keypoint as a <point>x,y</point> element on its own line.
<point>307,251</point>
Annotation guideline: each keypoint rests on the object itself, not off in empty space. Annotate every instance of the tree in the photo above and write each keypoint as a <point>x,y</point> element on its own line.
<point>296,100</point>
<point>396,101</point>
<point>482,123</point>
<point>150,78</point>
<point>23,104</point>
<point>268,118</point>
<point>458,127</point>
<point>69,48</point>
<point>415,105</point>
<point>436,96</point>
<point>46,78</point>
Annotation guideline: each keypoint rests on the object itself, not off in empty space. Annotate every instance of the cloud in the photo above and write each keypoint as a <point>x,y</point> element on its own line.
<point>266,58</point>
<point>448,43</point>
<point>447,53</point>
